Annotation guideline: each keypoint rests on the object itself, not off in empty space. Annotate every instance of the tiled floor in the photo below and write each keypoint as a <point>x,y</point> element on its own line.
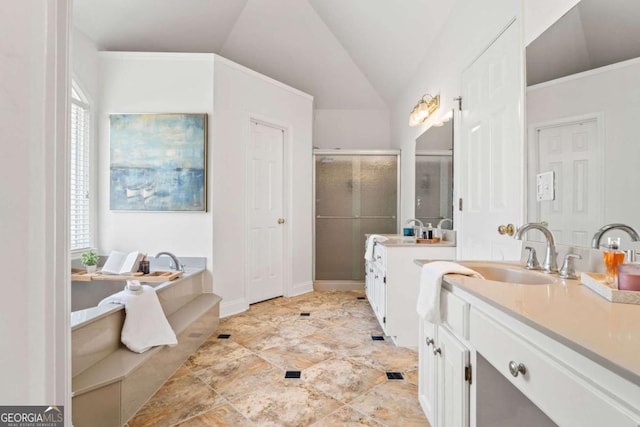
<point>240,381</point>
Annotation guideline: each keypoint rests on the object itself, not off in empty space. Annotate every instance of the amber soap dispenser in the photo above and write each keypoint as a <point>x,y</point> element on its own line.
<point>612,257</point>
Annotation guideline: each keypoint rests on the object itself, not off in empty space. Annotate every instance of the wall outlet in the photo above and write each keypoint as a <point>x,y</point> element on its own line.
<point>545,186</point>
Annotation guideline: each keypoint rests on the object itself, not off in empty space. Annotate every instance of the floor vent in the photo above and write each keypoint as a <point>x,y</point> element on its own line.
<point>292,374</point>
<point>395,376</point>
<point>224,336</point>
<point>361,298</point>
<point>305,314</point>
<point>377,337</point>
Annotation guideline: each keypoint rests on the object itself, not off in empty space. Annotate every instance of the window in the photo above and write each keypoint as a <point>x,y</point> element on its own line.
<point>80,210</point>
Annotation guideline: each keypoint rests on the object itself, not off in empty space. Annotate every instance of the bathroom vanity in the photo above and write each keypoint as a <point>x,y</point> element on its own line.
<point>392,284</point>
<point>539,354</point>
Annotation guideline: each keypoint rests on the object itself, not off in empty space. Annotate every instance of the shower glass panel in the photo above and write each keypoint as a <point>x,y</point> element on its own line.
<point>355,195</point>
<point>434,184</point>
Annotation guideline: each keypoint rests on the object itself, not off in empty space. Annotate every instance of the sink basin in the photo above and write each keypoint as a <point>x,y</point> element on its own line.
<point>512,275</point>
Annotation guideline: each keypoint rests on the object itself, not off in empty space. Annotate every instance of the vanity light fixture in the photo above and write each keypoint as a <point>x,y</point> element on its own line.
<point>423,109</point>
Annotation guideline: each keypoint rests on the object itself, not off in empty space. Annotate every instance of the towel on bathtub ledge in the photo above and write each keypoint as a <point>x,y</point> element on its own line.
<point>145,324</point>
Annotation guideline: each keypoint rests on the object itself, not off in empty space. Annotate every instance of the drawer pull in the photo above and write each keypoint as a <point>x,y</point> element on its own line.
<point>429,341</point>
<point>437,351</point>
<point>517,368</point>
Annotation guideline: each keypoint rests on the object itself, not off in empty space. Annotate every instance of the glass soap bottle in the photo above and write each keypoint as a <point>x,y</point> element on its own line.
<point>612,257</point>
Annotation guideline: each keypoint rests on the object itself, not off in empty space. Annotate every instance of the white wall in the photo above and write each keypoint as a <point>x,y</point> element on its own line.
<point>154,83</point>
<point>352,129</point>
<point>230,94</point>
<point>471,27</point>
<point>34,311</point>
<point>84,64</point>
<point>240,95</point>
<point>614,93</point>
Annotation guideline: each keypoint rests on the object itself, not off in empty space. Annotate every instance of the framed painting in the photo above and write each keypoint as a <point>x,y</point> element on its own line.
<point>158,162</point>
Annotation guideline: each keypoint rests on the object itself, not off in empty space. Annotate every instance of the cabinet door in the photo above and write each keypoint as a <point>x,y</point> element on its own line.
<point>453,388</point>
<point>427,373</point>
<point>368,282</point>
<point>382,297</point>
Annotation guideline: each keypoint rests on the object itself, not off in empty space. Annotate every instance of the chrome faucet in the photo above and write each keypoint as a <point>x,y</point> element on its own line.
<point>550,265</point>
<point>595,241</point>
<point>176,261</point>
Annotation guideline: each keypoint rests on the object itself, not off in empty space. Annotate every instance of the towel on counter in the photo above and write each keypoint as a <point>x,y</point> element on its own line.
<point>371,240</point>
<point>428,306</point>
<point>145,324</point>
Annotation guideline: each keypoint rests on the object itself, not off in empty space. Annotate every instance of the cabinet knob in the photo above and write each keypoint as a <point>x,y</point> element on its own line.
<point>517,368</point>
<point>429,341</point>
<point>280,220</point>
<point>437,351</point>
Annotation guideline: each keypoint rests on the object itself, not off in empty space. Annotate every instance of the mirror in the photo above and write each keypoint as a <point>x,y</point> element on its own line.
<point>434,175</point>
<point>583,100</point>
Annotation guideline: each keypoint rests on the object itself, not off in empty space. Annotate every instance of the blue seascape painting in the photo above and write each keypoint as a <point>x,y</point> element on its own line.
<point>158,162</point>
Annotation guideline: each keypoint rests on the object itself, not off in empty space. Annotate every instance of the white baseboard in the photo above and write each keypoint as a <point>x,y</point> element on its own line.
<point>228,308</point>
<point>338,285</point>
<point>301,288</point>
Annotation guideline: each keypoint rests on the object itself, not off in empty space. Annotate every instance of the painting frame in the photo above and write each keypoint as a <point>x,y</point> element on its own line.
<point>158,162</point>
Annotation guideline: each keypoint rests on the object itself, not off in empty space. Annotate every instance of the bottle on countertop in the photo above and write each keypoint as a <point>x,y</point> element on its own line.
<point>612,257</point>
<point>429,232</point>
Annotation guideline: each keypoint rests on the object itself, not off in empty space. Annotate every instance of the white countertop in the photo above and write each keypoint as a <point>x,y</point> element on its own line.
<point>569,312</point>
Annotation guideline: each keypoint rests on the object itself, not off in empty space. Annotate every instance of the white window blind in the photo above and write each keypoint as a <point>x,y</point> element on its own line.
<point>80,220</point>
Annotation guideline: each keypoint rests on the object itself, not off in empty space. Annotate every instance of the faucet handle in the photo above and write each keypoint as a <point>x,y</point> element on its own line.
<point>568,270</point>
<point>532,262</point>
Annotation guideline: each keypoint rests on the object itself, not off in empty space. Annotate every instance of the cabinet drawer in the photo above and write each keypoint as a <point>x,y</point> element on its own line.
<point>454,312</point>
<point>558,391</point>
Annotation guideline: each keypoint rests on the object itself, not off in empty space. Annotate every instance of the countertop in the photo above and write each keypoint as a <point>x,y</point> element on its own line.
<point>397,240</point>
<point>569,312</point>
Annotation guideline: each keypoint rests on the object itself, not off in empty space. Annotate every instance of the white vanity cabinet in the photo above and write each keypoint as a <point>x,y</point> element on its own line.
<point>392,283</point>
<point>444,366</point>
<point>482,365</point>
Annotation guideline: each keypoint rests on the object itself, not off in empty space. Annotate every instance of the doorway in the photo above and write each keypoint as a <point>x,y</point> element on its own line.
<point>265,207</point>
<point>356,193</point>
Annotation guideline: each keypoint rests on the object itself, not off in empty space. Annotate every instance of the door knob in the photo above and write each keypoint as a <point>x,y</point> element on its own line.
<point>280,220</point>
<point>507,229</point>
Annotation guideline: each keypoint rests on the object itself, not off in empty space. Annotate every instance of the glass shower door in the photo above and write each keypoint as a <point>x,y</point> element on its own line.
<point>355,195</point>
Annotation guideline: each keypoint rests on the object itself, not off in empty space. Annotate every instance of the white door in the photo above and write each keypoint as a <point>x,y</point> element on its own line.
<point>491,151</point>
<point>266,212</point>
<point>573,153</point>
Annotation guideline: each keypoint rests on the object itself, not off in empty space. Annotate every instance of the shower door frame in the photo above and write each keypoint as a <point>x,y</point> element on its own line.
<point>350,284</point>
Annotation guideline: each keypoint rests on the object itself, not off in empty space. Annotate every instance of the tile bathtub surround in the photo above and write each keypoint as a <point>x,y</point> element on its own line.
<point>240,380</point>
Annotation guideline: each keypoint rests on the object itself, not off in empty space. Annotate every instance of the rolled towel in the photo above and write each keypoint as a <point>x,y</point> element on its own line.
<point>428,306</point>
<point>371,241</point>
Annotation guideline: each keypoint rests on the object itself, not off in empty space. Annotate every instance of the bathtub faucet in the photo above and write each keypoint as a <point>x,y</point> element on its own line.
<point>176,261</point>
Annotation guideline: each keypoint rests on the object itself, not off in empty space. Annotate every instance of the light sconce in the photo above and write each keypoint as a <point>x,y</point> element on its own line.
<point>423,109</point>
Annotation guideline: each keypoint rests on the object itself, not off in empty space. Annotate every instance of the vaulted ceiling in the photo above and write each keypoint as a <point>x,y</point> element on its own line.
<point>349,54</point>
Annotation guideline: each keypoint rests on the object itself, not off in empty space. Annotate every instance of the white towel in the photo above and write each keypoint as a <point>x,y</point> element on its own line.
<point>145,324</point>
<point>371,240</point>
<point>428,306</point>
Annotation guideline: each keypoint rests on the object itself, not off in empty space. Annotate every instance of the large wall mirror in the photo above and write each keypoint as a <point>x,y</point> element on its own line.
<point>583,104</point>
<point>434,175</point>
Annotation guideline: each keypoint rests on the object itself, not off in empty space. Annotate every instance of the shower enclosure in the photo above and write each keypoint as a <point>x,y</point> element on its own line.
<point>356,193</point>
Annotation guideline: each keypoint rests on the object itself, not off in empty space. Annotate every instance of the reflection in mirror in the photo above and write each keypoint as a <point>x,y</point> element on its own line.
<point>583,102</point>
<point>434,175</point>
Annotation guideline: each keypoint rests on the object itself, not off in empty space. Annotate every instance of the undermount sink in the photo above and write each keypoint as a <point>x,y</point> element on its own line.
<point>512,275</point>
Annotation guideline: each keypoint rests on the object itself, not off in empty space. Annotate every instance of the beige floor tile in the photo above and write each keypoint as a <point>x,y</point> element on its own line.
<point>240,376</point>
<point>346,416</point>
<point>297,355</point>
<point>223,415</point>
<point>180,398</point>
<point>240,381</point>
<point>392,403</point>
<point>285,403</point>
<point>342,379</point>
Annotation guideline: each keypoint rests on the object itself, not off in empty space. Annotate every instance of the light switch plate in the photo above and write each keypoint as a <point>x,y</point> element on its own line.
<point>545,186</point>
